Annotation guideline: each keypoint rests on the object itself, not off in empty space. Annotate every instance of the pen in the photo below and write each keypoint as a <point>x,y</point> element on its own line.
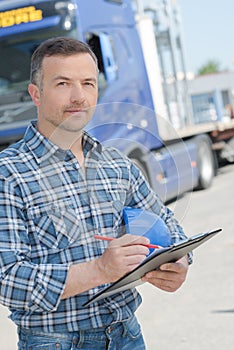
<point>104,238</point>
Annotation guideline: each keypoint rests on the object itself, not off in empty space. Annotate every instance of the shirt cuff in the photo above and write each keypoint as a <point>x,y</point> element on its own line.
<point>49,286</point>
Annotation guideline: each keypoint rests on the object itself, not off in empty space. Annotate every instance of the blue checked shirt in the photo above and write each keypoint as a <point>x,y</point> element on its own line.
<point>50,210</point>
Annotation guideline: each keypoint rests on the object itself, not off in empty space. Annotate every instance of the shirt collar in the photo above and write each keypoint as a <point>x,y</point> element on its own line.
<point>42,148</point>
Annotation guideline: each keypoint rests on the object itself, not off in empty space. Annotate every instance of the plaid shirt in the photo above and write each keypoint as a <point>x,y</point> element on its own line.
<point>49,211</point>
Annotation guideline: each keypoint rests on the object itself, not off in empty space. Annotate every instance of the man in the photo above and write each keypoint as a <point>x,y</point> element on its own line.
<point>58,188</point>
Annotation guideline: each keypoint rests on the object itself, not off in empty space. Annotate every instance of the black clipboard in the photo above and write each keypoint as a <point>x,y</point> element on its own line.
<point>153,262</point>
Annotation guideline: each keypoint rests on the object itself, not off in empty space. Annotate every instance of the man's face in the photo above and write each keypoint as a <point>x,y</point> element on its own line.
<point>68,93</point>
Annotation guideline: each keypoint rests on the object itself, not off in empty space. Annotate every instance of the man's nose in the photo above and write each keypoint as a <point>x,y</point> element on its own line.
<point>77,94</point>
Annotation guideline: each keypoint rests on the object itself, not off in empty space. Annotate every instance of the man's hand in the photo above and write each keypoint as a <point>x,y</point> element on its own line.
<point>122,255</point>
<point>170,276</point>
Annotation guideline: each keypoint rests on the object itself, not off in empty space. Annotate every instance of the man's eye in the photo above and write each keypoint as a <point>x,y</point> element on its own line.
<point>90,83</point>
<point>62,83</point>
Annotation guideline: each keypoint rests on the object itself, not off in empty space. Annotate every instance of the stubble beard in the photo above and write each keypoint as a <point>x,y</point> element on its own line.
<point>70,129</point>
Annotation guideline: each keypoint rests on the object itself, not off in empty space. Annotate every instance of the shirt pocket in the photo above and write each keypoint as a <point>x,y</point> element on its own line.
<point>53,225</point>
<point>109,211</point>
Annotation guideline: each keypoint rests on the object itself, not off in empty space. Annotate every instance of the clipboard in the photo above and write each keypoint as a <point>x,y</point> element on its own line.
<point>153,262</point>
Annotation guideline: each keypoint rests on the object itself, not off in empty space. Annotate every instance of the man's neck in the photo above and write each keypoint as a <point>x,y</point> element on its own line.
<point>77,150</point>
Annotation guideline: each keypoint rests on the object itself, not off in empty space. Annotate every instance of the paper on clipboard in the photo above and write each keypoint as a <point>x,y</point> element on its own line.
<point>152,262</point>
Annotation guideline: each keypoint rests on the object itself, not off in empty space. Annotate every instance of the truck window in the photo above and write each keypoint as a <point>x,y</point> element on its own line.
<point>44,20</point>
<point>101,44</point>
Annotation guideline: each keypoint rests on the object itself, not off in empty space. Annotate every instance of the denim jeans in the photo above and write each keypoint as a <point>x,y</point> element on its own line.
<point>118,336</point>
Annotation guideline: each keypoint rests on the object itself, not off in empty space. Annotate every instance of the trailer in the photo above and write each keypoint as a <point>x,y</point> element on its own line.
<point>144,108</point>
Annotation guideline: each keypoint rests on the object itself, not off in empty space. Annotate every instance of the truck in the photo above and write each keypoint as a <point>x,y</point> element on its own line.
<point>144,108</point>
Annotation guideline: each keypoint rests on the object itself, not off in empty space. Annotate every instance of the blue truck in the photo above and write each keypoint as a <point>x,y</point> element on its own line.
<point>143,107</point>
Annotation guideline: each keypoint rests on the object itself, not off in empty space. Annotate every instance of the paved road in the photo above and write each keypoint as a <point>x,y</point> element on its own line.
<point>200,316</point>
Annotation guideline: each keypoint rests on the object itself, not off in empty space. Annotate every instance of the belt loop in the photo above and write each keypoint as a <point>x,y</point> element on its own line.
<point>81,339</point>
<point>124,328</point>
<point>125,325</point>
<point>74,343</point>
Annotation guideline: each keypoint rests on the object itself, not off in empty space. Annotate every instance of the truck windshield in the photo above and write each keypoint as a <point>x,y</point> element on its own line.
<point>45,19</point>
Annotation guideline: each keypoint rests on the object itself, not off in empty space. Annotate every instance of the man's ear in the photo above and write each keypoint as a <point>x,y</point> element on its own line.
<point>34,93</point>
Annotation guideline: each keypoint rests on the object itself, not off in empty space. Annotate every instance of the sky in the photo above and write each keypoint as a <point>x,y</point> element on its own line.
<point>208,32</point>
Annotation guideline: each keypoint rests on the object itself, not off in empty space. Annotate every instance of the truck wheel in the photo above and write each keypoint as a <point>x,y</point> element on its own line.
<point>205,162</point>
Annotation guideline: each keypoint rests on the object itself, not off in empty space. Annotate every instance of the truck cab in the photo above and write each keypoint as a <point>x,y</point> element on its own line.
<point>126,116</point>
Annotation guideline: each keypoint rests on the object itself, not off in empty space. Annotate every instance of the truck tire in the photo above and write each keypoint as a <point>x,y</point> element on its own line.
<point>205,162</point>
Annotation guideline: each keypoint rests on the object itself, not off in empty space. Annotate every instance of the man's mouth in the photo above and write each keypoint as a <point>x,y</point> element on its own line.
<point>75,110</point>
